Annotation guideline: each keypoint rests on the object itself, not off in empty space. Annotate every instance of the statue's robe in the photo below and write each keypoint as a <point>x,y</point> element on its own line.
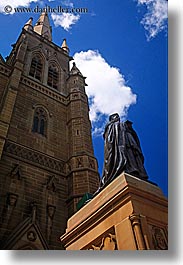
<point>114,151</point>
<point>122,152</point>
<point>134,155</point>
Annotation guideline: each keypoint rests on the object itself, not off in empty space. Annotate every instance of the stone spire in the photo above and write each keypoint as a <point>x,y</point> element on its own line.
<point>28,26</point>
<point>43,27</point>
<point>64,46</point>
<point>75,70</point>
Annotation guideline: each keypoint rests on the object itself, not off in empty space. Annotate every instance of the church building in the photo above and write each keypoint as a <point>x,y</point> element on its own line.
<point>47,161</point>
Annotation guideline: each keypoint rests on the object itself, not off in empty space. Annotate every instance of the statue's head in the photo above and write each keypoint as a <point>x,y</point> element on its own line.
<point>114,117</point>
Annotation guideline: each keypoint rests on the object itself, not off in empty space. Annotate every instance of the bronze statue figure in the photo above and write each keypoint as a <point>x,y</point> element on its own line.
<point>122,151</point>
<point>134,155</point>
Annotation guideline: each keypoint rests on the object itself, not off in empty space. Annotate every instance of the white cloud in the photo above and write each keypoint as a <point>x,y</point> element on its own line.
<point>14,3</point>
<point>106,88</point>
<point>155,20</point>
<point>67,3</point>
<point>65,20</point>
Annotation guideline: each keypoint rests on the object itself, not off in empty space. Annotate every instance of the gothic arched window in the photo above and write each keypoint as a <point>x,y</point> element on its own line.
<point>53,76</point>
<point>36,67</point>
<point>40,121</point>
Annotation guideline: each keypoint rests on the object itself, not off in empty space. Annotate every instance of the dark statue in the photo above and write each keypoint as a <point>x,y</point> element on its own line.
<point>122,151</point>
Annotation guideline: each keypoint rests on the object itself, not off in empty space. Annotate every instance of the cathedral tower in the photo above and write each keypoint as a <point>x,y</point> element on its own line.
<point>46,154</point>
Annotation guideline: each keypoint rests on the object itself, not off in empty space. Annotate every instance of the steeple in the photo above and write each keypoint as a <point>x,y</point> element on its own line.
<point>75,70</point>
<point>43,27</point>
<point>64,46</point>
<point>28,26</point>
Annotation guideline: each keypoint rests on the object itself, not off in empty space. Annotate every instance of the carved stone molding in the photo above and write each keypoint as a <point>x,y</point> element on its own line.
<point>91,162</point>
<point>137,230</point>
<point>108,242</point>
<point>51,184</point>
<point>14,187</point>
<point>16,173</point>
<point>31,236</point>
<point>51,204</point>
<point>68,165</point>
<point>8,209</point>
<point>33,207</point>
<point>51,190</point>
<point>51,211</point>
<point>33,156</point>
<point>4,70</point>
<point>16,180</point>
<point>48,92</point>
<point>12,199</point>
<point>80,162</point>
<point>77,94</point>
<point>159,238</point>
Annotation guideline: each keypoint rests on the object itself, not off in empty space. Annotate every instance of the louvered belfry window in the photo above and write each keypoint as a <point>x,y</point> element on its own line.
<point>36,68</point>
<point>53,76</point>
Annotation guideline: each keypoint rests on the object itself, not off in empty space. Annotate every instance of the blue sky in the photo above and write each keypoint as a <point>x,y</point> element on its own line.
<point>121,46</point>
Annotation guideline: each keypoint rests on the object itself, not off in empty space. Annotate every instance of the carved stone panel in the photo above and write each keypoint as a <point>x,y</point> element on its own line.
<point>31,236</point>
<point>106,242</point>
<point>79,162</point>
<point>159,238</point>
<point>35,157</point>
<point>91,162</point>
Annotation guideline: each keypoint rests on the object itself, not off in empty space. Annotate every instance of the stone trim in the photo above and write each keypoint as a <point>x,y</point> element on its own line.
<point>4,70</point>
<point>66,100</point>
<point>46,91</point>
<point>80,163</point>
<point>34,157</point>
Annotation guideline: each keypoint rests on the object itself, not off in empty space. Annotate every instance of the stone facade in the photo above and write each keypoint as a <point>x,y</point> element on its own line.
<point>46,154</point>
<point>128,214</point>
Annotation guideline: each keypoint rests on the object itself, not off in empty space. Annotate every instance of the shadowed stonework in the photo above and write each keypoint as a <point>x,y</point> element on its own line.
<point>47,161</point>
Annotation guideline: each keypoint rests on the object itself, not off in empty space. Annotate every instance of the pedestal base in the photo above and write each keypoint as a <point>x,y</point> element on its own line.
<point>129,214</point>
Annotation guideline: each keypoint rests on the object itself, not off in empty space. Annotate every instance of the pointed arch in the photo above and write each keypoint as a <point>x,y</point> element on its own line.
<point>36,67</point>
<point>53,75</point>
<point>40,121</point>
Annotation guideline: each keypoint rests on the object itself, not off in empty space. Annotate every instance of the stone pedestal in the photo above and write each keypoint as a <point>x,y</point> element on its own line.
<point>129,214</point>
